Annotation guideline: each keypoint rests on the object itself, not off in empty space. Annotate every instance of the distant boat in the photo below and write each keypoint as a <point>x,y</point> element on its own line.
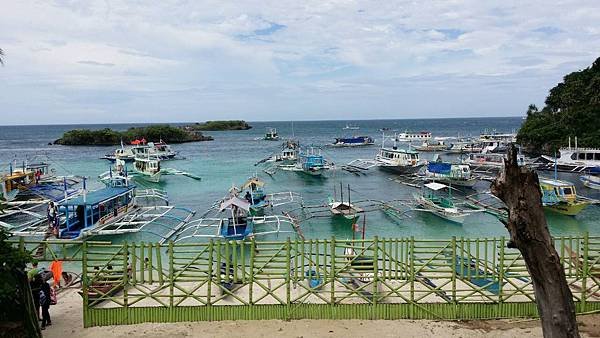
<point>271,135</point>
<point>351,127</point>
<point>432,146</point>
<point>355,141</point>
<point>411,137</point>
<point>148,167</point>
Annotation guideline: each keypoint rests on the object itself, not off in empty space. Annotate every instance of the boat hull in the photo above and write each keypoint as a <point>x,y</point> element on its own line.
<point>592,182</point>
<point>396,169</point>
<point>569,209</point>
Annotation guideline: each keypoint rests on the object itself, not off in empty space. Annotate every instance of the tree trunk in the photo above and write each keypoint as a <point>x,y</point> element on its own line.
<point>518,187</point>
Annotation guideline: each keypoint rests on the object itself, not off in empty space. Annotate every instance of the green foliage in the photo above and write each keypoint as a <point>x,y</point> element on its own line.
<point>221,125</point>
<point>151,133</point>
<point>572,109</point>
<point>12,260</point>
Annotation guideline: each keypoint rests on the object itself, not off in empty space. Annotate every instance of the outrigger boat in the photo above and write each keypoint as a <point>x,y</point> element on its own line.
<point>450,173</point>
<point>435,145</point>
<point>590,181</point>
<point>160,149</point>
<point>572,159</point>
<point>255,195</point>
<point>118,208</point>
<point>310,162</point>
<point>443,207</point>
<point>289,154</point>
<point>344,210</point>
<point>148,167</point>
<point>355,141</point>
<point>461,147</point>
<point>239,224</point>
<point>32,180</point>
<point>399,161</point>
<point>271,135</point>
<point>561,197</point>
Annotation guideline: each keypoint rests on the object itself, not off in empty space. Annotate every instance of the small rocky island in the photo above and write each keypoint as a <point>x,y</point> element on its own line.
<point>107,136</point>
<point>219,125</point>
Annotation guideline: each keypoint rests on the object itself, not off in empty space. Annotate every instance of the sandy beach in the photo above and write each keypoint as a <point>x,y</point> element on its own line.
<point>67,321</point>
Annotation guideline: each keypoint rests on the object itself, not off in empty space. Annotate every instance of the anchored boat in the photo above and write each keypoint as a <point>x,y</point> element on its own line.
<point>147,167</point>
<point>271,135</point>
<point>351,127</point>
<point>573,159</point>
<point>160,150</point>
<point>590,181</point>
<point>412,137</point>
<point>450,173</point>
<point>344,210</point>
<point>394,159</point>
<point>442,206</point>
<point>561,196</point>
<point>311,162</point>
<point>435,145</point>
<point>355,141</point>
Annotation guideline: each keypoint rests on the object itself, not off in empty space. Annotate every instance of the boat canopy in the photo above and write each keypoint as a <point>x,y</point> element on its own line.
<point>235,201</point>
<point>253,180</point>
<point>435,186</point>
<point>439,167</point>
<point>556,183</point>
<point>98,196</point>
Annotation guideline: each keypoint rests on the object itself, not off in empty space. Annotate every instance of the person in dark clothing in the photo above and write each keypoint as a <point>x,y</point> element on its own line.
<point>45,302</point>
<point>36,286</point>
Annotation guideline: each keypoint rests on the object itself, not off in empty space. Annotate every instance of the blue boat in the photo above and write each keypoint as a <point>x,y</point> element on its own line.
<point>89,210</point>
<point>354,141</point>
<point>255,195</point>
<point>238,225</point>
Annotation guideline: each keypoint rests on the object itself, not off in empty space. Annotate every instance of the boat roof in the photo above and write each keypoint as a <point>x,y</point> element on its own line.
<point>235,201</point>
<point>555,183</point>
<point>435,186</point>
<point>252,180</point>
<point>400,150</point>
<point>98,196</point>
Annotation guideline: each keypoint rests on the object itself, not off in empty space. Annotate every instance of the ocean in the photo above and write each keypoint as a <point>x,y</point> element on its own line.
<point>230,159</point>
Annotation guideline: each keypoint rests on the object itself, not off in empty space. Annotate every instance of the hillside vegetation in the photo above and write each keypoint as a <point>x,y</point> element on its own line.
<point>221,125</point>
<point>108,136</point>
<point>571,109</point>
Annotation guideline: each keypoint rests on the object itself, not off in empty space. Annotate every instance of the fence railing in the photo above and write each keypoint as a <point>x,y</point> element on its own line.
<point>459,278</point>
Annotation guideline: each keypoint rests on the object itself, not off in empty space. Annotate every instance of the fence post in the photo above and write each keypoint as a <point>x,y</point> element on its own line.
<point>159,266</point>
<point>84,284</point>
<point>210,277</point>
<point>412,277</point>
<point>375,274</point>
<point>288,291</point>
<point>332,273</point>
<point>454,270</point>
<point>501,270</point>
<point>251,277</point>
<point>584,272</point>
<point>171,274</point>
<point>150,263</point>
<point>125,276</point>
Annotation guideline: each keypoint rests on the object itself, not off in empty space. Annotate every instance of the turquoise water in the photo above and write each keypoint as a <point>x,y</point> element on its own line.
<point>230,159</point>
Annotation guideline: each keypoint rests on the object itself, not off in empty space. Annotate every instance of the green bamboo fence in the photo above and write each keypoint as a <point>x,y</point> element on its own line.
<point>380,278</point>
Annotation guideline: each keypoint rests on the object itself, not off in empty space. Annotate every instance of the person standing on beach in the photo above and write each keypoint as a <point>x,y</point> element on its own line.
<point>35,284</point>
<point>44,301</point>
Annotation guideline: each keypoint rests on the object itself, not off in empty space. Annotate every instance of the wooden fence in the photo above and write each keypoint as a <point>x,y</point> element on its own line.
<point>459,278</point>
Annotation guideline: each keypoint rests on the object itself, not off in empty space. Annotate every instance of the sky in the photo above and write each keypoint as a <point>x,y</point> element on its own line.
<point>174,60</point>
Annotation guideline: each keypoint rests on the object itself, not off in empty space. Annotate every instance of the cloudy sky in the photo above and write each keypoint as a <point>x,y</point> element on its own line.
<point>160,61</point>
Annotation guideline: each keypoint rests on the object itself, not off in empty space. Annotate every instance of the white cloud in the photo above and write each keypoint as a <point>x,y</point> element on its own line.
<point>253,59</point>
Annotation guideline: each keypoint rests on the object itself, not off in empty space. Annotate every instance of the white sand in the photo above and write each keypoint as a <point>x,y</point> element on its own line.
<point>67,323</point>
